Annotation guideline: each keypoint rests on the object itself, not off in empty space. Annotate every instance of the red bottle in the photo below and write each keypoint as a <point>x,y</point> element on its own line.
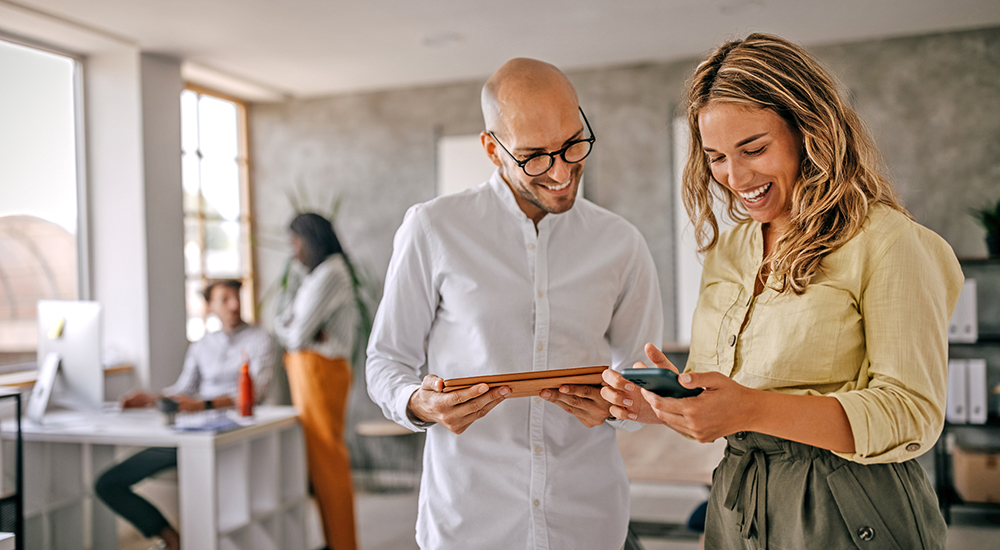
<point>246,391</point>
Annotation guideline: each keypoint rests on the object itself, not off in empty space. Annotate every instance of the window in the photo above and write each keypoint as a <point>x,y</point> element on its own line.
<point>217,218</point>
<point>39,219</point>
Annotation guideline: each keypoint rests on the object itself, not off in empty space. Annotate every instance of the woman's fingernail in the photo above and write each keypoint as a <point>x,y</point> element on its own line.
<point>632,416</point>
<point>629,387</point>
<point>504,391</point>
<point>685,378</point>
<point>628,402</point>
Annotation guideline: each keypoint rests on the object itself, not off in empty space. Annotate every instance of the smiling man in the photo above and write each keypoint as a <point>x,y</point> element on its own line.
<point>517,274</point>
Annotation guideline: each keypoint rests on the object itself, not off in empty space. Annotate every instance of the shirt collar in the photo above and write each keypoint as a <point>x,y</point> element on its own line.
<point>506,195</point>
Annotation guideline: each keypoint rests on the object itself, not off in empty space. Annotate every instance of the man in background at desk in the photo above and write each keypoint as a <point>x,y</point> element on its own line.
<point>209,380</point>
<point>516,274</point>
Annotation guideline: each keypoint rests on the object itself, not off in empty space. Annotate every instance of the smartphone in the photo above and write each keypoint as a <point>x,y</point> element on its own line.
<point>662,382</point>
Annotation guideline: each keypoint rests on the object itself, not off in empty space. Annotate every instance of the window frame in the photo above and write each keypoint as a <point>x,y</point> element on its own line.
<point>83,266</point>
<point>246,217</point>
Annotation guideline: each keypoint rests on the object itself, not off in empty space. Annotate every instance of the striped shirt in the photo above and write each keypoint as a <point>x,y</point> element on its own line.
<point>317,311</point>
<point>212,364</point>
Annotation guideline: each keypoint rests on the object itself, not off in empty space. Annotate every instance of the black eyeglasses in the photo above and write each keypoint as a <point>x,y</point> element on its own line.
<point>539,163</point>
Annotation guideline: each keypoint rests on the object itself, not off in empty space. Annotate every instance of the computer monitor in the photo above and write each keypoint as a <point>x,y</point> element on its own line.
<point>72,330</point>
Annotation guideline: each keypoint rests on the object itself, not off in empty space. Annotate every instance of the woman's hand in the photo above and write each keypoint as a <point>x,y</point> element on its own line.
<point>627,403</point>
<point>723,408</point>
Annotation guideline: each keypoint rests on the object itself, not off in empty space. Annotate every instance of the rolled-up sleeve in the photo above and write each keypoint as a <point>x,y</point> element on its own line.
<point>897,410</point>
<point>396,349</point>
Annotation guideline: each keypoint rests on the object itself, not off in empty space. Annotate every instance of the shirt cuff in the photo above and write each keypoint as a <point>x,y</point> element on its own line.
<point>861,427</point>
<point>625,425</point>
<point>403,419</point>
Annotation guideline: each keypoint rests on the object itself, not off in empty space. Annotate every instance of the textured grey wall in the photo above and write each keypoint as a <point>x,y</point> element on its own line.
<point>933,103</point>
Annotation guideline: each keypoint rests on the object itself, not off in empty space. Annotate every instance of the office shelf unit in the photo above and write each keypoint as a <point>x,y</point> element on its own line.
<point>983,438</point>
<point>244,489</point>
<point>258,510</point>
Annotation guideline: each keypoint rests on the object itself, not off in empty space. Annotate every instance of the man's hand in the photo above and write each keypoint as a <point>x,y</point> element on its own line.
<point>138,400</point>
<point>186,404</point>
<point>583,402</point>
<point>627,401</point>
<point>456,410</point>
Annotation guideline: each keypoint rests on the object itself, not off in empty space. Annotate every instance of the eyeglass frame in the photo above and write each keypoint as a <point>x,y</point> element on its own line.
<point>552,156</point>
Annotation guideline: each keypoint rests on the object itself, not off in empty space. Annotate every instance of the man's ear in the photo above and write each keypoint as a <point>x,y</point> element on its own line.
<point>490,147</point>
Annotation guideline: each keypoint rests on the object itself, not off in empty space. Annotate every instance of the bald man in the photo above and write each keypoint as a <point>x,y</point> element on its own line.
<point>516,274</point>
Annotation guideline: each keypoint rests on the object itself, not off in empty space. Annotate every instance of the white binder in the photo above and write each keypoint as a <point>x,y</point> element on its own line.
<point>964,325</point>
<point>957,411</point>
<point>977,396</point>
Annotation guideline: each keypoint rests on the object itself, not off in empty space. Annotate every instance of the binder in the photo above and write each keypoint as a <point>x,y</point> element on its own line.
<point>964,325</point>
<point>977,395</point>
<point>957,411</point>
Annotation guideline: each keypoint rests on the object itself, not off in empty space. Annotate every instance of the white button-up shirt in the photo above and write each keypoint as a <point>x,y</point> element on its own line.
<point>473,289</point>
<point>212,365</point>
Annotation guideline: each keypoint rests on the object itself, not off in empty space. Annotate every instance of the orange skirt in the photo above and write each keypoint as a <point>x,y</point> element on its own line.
<point>319,388</point>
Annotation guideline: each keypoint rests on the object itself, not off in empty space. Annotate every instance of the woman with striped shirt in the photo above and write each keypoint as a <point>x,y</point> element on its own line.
<point>317,315</point>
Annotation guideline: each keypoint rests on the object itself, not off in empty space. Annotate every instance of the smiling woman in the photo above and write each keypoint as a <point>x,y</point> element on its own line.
<point>820,334</point>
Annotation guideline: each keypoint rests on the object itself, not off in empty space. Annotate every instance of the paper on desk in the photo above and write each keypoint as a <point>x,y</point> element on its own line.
<point>210,421</point>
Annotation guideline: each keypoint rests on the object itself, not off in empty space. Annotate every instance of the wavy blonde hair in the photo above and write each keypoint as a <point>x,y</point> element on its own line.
<point>839,177</point>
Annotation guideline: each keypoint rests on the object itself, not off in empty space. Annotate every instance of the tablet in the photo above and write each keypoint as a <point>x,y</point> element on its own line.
<point>530,383</point>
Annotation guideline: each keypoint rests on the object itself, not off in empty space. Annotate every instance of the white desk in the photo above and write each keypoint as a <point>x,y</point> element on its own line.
<point>240,489</point>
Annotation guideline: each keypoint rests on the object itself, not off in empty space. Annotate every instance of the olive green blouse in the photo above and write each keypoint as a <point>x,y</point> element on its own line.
<point>871,330</point>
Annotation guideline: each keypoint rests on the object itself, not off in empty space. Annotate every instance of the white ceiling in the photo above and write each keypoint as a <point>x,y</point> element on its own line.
<point>303,48</point>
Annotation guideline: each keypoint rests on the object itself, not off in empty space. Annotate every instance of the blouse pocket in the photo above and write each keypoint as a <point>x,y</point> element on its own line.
<point>807,339</point>
<point>714,303</point>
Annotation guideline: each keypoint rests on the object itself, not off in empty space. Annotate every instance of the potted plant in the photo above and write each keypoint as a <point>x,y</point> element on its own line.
<point>989,218</point>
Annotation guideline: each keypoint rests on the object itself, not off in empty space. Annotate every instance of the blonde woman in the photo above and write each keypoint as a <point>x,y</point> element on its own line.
<point>820,334</point>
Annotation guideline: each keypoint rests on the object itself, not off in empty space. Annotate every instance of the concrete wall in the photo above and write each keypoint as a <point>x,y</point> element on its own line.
<point>932,102</point>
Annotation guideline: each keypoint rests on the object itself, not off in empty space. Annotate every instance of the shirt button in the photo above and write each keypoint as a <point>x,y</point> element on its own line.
<point>913,447</point>
<point>537,503</point>
<point>866,533</point>
<point>732,340</point>
<point>531,246</point>
<point>539,293</point>
<point>538,448</point>
<point>538,400</point>
<point>540,347</point>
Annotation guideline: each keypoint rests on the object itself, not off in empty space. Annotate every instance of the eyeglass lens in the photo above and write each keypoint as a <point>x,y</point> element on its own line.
<point>538,165</point>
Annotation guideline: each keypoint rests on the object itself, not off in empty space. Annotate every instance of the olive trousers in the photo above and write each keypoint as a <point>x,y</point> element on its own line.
<point>319,387</point>
<point>769,492</point>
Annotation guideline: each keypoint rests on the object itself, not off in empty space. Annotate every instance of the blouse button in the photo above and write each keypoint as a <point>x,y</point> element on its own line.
<point>536,503</point>
<point>539,293</point>
<point>913,447</point>
<point>866,533</point>
<point>732,340</point>
<point>540,347</point>
<point>531,246</point>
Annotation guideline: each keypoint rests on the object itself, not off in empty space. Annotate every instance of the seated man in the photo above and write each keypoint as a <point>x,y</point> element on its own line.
<point>209,380</point>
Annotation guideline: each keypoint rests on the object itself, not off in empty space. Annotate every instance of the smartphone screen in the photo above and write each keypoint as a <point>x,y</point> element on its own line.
<point>662,382</point>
